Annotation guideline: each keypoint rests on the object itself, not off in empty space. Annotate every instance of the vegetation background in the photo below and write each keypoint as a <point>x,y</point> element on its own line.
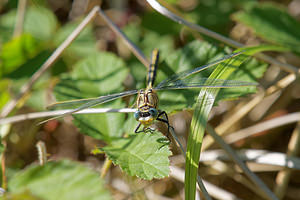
<point>262,127</point>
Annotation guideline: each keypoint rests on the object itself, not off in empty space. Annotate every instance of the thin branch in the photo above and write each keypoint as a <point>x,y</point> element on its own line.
<point>284,175</point>
<point>136,51</point>
<point>42,152</point>
<point>20,18</point>
<point>55,55</point>
<point>28,116</point>
<point>263,126</point>
<point>3,166</point>
<point>255,179</point>
<point>256,156</point>
<point>164,11</point>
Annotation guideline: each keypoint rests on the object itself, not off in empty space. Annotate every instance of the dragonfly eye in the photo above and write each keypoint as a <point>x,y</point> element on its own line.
<point>153,112</point>
<point>137,115</point>
<point>142,91</point>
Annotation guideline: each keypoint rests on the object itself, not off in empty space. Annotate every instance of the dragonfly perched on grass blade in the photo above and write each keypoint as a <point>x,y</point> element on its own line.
<point>147,99</point>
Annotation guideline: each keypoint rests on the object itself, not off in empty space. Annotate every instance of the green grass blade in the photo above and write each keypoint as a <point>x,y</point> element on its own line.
<point>199,121</point>
<point>205,102</point>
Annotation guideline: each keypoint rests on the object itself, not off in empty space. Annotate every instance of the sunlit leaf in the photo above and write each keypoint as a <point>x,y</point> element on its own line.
<point>4,92</point>
<point>98,75</point>
<point>144,155</point>
<point>82,46</point>
<point>62,180</point>
<point>273,24</point>
<point>39,22</point>
<point>164,27</point>
<point>213,15</point>
<point>103,126</point>
<point>16,52</point>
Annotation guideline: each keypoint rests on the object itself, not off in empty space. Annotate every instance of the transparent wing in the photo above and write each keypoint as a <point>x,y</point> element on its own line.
<point>70,104</point>
<point>187,73</point>
<point>87,103</point>
<point>197,82</point>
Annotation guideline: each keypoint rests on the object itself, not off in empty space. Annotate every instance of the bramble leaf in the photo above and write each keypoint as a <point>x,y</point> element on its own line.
<point>62,180</point>
<point>144,155</point>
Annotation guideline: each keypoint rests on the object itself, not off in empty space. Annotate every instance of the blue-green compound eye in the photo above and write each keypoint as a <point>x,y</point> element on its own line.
<point>153,112</point>
<point>137,115</point>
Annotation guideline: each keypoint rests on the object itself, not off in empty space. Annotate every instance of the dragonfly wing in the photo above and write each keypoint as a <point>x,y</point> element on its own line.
<point>196,82</point>
<point>187,73</point>
<point>70,104</point>
<point>87,103</point>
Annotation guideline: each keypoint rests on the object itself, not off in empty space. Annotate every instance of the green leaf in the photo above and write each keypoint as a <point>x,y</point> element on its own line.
<point>38,99</point>
<point>82,46</point>
<point>144,155</point>
<point>147,40</point>
<point>39,22</point>
<point>103,126</point>
<point>62,180</point>
<point>130,124</point>
<point>4,92</point>
<point>98,75</point>
<point>164,27</point>
<point>273,24</point>
<point>16,52</point>
<point>23,195</point>
<point>213,15</point>
<point>162,42</point>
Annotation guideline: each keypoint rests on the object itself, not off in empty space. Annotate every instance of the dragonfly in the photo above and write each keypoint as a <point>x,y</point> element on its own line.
<point>147,99</point>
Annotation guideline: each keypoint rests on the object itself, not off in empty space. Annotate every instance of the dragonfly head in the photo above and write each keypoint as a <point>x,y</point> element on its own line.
<point>146,117</point>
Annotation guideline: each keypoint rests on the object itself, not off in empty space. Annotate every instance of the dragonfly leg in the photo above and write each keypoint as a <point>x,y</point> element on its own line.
<point>145,130</point>
<point>148,129</point>
<point>137,128</point>
<point>165,121</point>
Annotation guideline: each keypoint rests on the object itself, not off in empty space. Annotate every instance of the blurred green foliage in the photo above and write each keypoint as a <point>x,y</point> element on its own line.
<point>57,180</point>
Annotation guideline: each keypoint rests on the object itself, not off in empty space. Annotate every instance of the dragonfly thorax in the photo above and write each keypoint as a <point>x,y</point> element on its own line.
<point>146,99</point>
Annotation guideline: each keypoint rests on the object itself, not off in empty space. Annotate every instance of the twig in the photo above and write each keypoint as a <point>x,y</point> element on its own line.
<point>164,11</point>
<point>3,166</point>
<point>55,55</point>
<point>283,176</point>
<point>263,126</point>
<point>18,118</point>
<point>42,152</point>
<point>20,18</point>
<point>257,181</point>
<point>136,51</point>
<point>261,157</point>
